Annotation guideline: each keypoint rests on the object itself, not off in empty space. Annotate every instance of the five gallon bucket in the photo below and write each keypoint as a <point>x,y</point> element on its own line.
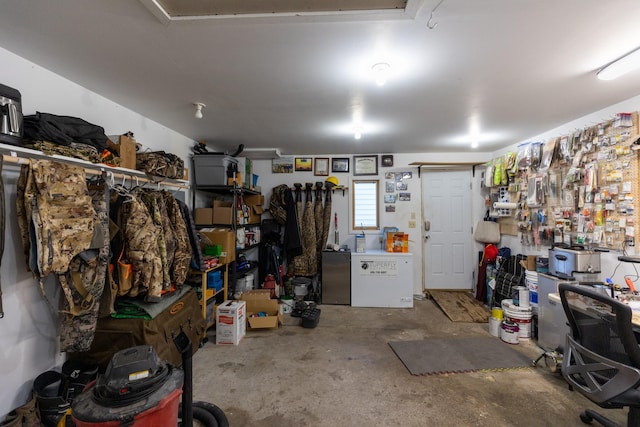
<point>519,315</point>
<point>495,321</point>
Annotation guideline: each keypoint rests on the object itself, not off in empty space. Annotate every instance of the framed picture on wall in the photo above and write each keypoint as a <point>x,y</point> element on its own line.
<point>386,160</point>
<point>304,164</point>
<point>365,165</point>
<point>340,164</point>
<point>321,166</point>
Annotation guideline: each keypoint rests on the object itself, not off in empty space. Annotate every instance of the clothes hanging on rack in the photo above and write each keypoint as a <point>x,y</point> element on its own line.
<point>307,264</point>
<point>87,274</point>
<point>64,228</point>
<point>319,223</point>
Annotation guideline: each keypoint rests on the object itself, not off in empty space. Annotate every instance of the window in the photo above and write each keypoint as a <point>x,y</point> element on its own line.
<point>365,205</point>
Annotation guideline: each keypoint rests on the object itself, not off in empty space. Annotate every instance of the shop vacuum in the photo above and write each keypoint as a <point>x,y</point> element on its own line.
<point>140,390</point>
<point>137,389</point>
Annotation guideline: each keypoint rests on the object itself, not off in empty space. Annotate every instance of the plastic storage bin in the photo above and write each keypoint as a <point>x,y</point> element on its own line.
<point>211,169</point>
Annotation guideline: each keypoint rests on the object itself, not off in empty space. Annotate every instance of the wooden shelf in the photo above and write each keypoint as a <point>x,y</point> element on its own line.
<point>209,295</point>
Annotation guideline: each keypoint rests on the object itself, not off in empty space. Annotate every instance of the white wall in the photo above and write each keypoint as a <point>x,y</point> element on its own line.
<point>341,204</point>
<point>28,342</point>
<point>611,267</point>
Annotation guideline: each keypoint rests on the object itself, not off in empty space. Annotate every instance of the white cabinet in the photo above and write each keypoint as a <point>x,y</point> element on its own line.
<point>382,279</point>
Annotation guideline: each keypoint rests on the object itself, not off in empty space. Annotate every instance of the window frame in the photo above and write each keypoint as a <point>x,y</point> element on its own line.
<point>354,193</point>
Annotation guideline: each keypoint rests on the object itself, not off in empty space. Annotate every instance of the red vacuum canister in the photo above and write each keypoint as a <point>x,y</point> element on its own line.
<point>137,390</point>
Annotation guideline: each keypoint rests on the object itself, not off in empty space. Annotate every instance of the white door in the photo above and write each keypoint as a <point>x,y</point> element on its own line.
<point>448,244</point>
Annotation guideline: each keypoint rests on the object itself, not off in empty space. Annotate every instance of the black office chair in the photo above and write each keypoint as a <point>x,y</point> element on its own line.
<point>601,356</point>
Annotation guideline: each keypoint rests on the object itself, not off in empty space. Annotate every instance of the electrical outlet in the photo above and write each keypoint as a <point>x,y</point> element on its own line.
<point>412,224</point>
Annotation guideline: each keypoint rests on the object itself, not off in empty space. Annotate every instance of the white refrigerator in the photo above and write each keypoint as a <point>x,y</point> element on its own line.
<point>381,279</point>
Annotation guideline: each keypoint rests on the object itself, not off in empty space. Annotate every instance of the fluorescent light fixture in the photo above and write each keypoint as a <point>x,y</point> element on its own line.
<point>474,144</point>
<point>261,153</point>
<point>357,135</point>
<point>620,66</point>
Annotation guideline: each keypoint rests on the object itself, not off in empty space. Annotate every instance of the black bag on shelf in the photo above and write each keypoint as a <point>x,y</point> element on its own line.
<point>64,130</point>
<point>510,275</point>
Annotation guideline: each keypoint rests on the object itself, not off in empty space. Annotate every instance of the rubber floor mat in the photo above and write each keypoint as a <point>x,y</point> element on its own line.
<point>453,355</point>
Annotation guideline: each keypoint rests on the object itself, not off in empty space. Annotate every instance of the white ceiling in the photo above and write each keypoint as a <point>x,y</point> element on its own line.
<point>517,67</point>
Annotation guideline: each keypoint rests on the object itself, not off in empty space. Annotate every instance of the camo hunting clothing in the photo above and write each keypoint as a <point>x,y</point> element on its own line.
<point>307,263</point>
<point>182,256</point>
<point>142,251</point>
<point>56,215</point>
<point>165,238</point>
<point>160,163</point>
<point>74,149</point>
<point>86,280</point>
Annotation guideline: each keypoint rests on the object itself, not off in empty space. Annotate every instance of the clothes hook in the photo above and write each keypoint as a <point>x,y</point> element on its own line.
<point>430,24</point>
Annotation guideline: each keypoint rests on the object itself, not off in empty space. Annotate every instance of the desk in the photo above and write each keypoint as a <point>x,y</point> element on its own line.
<point>581,305</point>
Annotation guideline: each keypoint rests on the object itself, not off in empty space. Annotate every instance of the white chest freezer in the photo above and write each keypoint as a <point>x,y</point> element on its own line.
<point>382,279</point>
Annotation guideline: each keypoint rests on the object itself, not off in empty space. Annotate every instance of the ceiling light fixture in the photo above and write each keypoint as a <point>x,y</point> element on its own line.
<point>381,72</point>
<point>199,106</point>
<point>357,134</point>
<point>620,66</point>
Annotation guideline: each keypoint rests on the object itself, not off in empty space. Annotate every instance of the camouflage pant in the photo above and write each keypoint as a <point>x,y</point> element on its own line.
<point>86,279</point>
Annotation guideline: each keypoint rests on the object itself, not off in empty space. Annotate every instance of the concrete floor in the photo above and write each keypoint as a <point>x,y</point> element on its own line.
<point>343,373</point>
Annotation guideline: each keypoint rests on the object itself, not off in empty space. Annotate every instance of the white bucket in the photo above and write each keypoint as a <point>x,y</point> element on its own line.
<point>523,296</point>
<point>509,332</point>
<point>245,283</point>
<point>287,304</point>
<point>519,315</point>
<point>494,326</point>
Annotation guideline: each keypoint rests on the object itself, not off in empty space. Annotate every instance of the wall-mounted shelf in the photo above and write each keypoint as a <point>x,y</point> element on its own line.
<point>20,155</point>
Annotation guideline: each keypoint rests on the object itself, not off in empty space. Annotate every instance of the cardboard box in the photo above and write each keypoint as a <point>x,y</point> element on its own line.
<point>254,200</point>
<point>231,325</point>
<point>398,242</point>
<point>203,216</point>
<point>259,300</point>
<point>226,239</point>
<point>255,203</point>
<point>126,149</point>
<point>222,212</point>
<point>255,214</point>
<point>127,152</point>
